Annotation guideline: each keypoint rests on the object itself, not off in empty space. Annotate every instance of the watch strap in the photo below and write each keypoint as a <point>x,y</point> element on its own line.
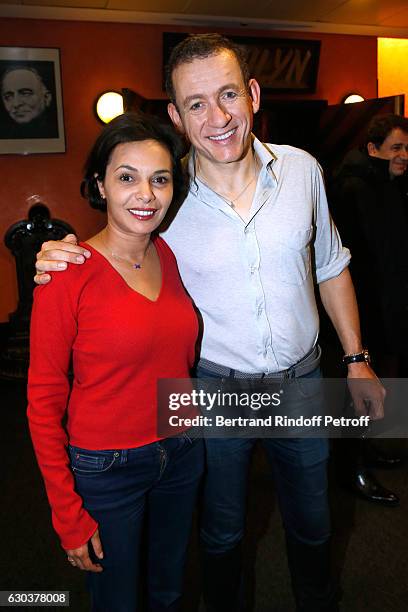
<point>364,355</point>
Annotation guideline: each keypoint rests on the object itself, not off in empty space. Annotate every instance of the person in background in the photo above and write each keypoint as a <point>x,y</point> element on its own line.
<point>369,200</point>
<point>243,239</point>
<point>125,321</point>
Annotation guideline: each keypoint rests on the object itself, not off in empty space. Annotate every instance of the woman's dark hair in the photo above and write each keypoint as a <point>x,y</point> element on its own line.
<point>130,127</point>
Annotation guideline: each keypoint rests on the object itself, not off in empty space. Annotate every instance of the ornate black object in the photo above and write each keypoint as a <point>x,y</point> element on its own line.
<point>24,240</point>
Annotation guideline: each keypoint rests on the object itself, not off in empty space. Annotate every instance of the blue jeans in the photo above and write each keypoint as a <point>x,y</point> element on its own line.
<point>152,489</point>
<point>299,467</point>
<point>300,470</point>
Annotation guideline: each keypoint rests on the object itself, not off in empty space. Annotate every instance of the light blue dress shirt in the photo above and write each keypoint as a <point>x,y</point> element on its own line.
<point>253,281</point>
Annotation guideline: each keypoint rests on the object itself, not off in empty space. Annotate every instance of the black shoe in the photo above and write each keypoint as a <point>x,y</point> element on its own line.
<point>367,486</point>
<point>221,580</point>
<point>376,458</point>
<point>310,569</point>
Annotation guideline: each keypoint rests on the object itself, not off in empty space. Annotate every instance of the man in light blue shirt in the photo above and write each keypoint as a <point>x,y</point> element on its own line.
<point>252,236</point>
<point>251,275</point>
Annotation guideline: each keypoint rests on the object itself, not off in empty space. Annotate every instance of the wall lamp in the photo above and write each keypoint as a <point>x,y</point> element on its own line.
<point>352,98</point>
<point>108,106</point>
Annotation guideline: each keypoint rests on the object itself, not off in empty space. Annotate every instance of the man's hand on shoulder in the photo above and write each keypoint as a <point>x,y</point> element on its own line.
<point>55,256</point>
<point>366,390</point>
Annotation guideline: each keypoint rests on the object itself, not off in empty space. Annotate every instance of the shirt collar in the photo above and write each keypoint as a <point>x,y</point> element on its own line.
<point>263,152</point>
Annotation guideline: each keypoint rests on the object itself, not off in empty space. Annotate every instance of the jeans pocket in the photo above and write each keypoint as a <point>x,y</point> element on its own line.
<point>86,462</point>
<point>190,437</point>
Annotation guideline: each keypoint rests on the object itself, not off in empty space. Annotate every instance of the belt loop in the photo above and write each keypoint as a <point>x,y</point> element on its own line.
<point>123,456</point>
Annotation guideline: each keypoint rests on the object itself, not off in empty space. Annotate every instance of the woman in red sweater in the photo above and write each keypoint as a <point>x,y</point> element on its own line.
<point>125,321</point>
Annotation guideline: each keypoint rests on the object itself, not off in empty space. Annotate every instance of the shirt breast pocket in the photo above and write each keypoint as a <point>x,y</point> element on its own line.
<point>295,256</point>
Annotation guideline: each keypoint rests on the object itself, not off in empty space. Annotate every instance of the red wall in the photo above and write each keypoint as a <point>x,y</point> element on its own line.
<point>100,56</point>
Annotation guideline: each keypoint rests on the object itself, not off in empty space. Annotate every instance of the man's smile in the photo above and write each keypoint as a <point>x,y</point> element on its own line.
<point>223,136</point>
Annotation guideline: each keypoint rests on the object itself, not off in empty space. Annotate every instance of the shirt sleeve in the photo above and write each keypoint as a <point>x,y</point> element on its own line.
<point>53,330</point>
<point>331,256</point>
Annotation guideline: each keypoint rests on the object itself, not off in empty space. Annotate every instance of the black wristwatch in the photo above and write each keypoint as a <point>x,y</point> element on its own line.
<point>364,355</point>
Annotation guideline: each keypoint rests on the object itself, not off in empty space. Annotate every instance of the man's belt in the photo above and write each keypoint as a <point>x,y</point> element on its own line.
<point>306,365</point>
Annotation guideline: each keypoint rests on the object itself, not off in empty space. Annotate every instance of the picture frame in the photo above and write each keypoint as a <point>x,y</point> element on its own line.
<point>31,108</point>
<point>280,65</point>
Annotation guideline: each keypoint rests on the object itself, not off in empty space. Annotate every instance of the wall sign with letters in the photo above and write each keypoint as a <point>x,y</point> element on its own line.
<point>281,65</point>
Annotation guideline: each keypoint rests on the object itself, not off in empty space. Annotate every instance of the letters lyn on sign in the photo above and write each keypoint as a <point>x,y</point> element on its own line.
<point>280,68</point>
<point>278,64</point>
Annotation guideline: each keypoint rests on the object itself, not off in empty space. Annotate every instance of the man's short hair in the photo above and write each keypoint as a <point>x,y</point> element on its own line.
<point>381,126</point>
<point>17,68</point>
<point>201,46</point>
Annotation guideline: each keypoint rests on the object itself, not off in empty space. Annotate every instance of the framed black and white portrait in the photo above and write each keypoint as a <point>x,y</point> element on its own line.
<point>31,111</point>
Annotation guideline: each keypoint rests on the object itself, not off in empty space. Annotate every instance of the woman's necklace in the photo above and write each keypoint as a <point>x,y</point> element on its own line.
<point>134,265</point>
<point>229,201</point>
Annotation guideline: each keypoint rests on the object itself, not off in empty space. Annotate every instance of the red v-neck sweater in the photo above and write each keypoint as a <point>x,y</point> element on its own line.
<point>121,343</point>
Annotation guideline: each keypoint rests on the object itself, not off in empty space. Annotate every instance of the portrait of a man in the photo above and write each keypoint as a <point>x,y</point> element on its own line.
<point>31,109</point>
<point>24,94</point>
<point>28,102</point>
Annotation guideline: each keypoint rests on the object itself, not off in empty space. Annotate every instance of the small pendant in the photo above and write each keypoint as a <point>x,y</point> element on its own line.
<point>136,266</point>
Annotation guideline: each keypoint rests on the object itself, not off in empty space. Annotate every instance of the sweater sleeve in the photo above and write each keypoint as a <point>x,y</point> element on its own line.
<point>53,331</point>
